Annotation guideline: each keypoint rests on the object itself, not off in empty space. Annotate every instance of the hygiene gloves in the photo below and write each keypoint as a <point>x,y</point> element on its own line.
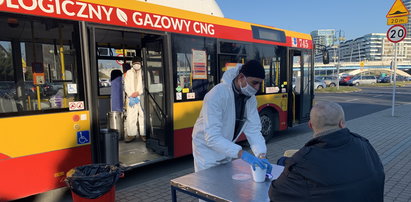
<point>252,160</point>
<point>133,101</point>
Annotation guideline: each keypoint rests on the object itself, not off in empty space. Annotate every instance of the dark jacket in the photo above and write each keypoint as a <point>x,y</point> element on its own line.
<point>340,166</point>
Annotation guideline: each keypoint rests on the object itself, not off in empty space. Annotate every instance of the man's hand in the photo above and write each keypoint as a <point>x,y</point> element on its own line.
<point>268,165</point>
<point>135,94</point>
<point>252,160</point>
<point>281,161</point>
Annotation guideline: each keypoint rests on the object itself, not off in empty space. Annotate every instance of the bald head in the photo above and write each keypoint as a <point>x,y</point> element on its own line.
<point>326,116</point>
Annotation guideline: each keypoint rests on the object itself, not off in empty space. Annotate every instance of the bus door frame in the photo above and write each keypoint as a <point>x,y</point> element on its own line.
<point>155,144</point>
<point>299,111</point>
<point>90,68</point>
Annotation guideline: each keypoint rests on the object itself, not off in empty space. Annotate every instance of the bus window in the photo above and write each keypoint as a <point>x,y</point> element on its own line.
<point>270,58</point>
<point>233,48</point>
<point>232,54</point>
<point>193,58</point>
<point>38,65</point>
<point>7,85</point>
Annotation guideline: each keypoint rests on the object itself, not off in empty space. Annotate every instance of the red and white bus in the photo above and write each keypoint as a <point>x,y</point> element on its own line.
<point>56,54</point>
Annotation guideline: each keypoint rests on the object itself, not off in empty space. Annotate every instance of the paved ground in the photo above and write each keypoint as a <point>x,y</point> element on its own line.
<point>391,137</point>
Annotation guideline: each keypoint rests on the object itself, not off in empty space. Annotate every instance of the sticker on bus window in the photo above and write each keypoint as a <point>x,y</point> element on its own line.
<point>191,96</point>
<point>83,137</point>
<point>79,105</point>
<point>83,117</point>
<point>72,88</point>
<point>199,64</point>
<point>179,96</point>
<point>186,90</point>
<point>178,89</point>
<point>283,90</point>
<point>272,89</point>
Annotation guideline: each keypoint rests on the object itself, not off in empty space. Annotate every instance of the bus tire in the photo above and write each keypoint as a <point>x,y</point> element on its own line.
<point>269,122</point>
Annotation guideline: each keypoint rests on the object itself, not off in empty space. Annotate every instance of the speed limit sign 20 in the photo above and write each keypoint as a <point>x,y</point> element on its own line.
<point>396,33</point>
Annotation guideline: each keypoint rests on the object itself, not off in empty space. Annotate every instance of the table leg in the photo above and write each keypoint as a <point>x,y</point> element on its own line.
<point>173,194</point>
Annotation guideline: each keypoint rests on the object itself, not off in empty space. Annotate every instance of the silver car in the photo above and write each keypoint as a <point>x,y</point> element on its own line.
<point>330,81</point>
<point>319,84</point>
<point>361,80</point>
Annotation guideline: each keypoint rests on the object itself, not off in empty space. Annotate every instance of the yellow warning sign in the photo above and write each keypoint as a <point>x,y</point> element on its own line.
<point>397,9</point>
<point>397,20</point>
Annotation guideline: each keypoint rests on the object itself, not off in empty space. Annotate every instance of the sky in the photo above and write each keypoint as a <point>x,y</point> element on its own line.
<point>355,18</point>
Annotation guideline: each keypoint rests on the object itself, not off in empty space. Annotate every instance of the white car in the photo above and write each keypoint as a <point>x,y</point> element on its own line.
<point>318,84</point>
<point>104,82</point>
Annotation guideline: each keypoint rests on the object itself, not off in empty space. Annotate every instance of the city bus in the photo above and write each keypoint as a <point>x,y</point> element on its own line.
<point>56,58</point>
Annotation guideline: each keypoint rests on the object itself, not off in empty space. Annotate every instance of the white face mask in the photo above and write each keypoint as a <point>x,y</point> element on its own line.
<point>248,90</point>
<point>137,66</point>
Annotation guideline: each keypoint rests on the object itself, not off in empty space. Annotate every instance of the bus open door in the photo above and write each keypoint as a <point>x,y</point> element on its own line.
<point>301,79</point>
<point>155,108</point>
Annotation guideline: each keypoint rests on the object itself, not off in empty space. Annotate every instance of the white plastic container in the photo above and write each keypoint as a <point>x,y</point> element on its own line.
<point>258,174</point>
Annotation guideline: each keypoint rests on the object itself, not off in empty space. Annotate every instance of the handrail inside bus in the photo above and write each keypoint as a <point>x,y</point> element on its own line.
<point>157,105</point>
<point>293,107</point>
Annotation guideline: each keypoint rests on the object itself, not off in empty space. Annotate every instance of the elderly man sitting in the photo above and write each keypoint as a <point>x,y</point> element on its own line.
<point>335,165</point>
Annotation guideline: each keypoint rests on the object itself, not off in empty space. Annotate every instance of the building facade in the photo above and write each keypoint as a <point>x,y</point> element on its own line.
<point>370,47</point>
<point>374,47</point>
<point>407,26</point>
<point>324,37</point>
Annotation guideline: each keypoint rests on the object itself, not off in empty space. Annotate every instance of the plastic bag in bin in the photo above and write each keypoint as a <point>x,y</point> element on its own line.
<point>93,180</point>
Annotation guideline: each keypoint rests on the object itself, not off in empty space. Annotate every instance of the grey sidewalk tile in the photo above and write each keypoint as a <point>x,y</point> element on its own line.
<point>390,136</point>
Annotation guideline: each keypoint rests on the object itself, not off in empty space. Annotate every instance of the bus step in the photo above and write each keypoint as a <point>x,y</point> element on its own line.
<point>154,145</point>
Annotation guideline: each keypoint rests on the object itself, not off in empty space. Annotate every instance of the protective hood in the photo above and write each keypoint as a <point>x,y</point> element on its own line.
<point>230,74</point>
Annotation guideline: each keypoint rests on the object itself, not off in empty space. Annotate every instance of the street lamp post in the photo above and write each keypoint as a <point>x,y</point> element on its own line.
<point>341,39</point>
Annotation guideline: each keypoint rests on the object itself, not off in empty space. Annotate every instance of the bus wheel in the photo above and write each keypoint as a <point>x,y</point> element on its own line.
<point>268,123</point>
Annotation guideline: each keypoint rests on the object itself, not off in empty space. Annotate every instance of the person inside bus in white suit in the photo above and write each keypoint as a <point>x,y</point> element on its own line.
<point>229,109</point>
<point>133,87</point>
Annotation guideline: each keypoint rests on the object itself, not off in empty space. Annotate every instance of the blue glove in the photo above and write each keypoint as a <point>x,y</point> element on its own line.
<point>252,160</point>
<point>268,165</point>
<point>281,161</point>
<point>133,101</point>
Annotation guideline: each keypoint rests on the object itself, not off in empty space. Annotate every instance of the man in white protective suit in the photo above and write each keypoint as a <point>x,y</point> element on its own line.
<point>229,109</point>
<point>133,87</point>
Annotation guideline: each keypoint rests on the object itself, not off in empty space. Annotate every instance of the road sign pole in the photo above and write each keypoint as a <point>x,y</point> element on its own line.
<point>395,79</point>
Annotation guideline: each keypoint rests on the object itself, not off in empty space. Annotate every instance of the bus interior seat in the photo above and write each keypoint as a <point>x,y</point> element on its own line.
<point>8,105</point>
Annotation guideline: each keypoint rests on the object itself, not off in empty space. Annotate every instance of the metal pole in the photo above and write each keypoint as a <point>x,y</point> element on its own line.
<point>339,62</point>
<point>338,68</point>
<point>395,79</point>
<point>359,61</point>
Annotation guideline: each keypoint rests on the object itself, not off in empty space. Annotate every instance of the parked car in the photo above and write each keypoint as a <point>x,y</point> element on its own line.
<point>319,84</point>
<point>104,82</point>
<point>361,80</point>
<point>381,79</point>
<point>387,79</point>
<point>344,79</point>
<point>330,81</point>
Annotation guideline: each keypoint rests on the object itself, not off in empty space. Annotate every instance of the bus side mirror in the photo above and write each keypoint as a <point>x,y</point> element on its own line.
<point>326,57</point>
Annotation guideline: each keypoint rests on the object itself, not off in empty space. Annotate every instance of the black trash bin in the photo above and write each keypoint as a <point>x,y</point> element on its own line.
<point>93,182</point>
<point>110,150</point>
